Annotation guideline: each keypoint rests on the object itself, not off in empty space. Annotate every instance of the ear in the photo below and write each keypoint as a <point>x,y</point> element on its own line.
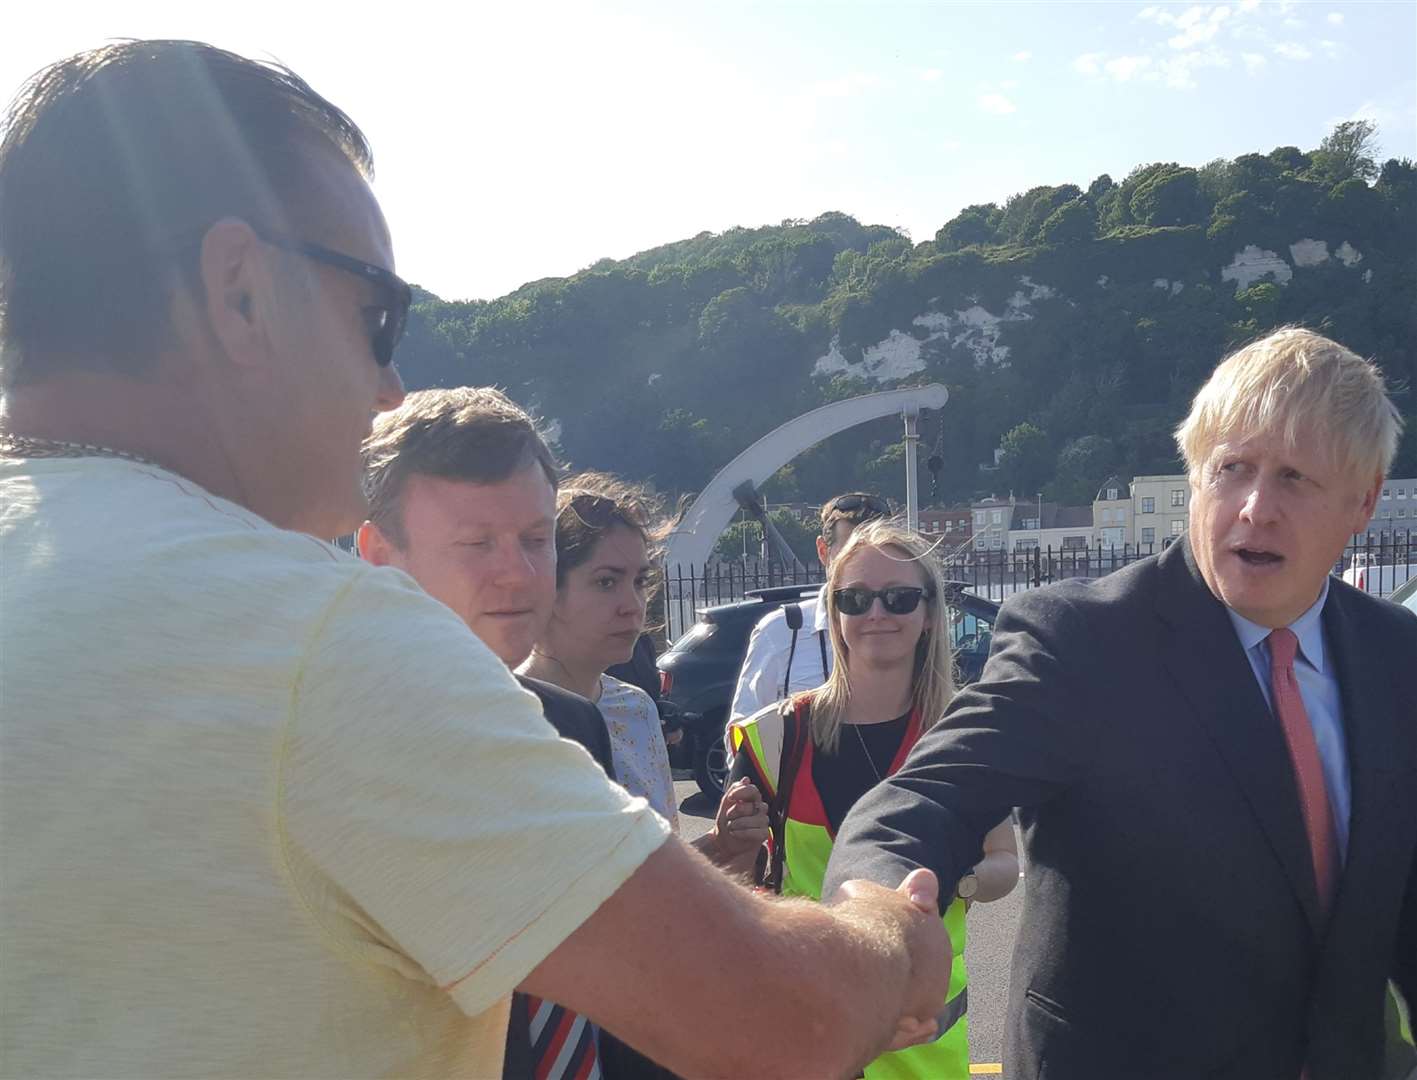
<point>1364,512</point>
<point>237,293</point>
<point>374,546</point>
<point>822,553</point>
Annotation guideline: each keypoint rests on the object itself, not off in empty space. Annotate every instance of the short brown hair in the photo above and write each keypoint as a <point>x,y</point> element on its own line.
<point>475,434</point>
<point>612,501</point>
<point>113,165</point>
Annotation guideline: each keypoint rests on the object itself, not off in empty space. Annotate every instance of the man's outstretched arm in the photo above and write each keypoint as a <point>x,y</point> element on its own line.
<point>1017,737</point>
<point>711,980</point>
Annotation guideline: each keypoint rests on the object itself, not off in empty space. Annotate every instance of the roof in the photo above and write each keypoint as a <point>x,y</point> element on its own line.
<point>1072,517</point>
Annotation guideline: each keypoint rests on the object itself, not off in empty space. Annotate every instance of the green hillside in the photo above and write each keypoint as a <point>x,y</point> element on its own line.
<point>1071,324</point>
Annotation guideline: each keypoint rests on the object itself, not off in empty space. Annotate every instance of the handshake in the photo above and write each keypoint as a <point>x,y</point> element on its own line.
<point>905,922</point>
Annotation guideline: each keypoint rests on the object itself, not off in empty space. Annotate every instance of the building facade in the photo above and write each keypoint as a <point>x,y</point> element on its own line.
<point>1160,505</point>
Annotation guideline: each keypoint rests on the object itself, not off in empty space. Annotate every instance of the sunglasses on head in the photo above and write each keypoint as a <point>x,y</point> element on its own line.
<point>857,508</point>
<point>595,511</point>
<point>388,328</point>
<point>898,599</point>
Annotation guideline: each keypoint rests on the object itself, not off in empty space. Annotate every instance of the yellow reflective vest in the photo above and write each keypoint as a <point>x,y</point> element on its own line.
<point>808,840</point>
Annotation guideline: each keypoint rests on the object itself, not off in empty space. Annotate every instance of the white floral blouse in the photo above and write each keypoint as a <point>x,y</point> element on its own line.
<point>637,745</point>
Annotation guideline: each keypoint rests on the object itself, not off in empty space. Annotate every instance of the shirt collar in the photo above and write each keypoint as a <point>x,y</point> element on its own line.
<point>1308,628</point>
<point>819,613</point>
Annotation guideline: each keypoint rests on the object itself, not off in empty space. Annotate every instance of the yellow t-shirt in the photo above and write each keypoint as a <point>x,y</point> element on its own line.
<point>265,810</point>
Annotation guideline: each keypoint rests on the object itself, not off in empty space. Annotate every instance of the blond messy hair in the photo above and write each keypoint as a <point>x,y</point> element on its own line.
<point>932,680</point>
<point>1299,385</point>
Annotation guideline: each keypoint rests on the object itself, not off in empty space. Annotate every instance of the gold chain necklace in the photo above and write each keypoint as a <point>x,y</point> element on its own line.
<point>25,446</point>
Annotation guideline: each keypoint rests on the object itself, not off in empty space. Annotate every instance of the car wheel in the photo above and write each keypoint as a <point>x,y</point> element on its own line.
<point>711,766</point>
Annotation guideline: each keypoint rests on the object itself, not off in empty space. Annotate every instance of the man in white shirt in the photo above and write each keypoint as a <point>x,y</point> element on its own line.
<point>783,658</point>
<point>269,810</point>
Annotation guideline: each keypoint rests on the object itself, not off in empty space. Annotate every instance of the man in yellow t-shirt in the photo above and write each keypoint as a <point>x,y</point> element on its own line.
<point>267,810</point>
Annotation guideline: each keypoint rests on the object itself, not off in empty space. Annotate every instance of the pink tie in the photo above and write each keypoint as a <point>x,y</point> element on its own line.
<point>1304,754</point>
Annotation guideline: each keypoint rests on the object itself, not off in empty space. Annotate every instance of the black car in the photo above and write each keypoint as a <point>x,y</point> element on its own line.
<point>699,672</point>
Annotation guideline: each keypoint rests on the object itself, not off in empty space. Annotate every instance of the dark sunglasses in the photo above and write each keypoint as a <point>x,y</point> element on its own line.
<point>856,507</point>
<point>898,599</point>
<point>595,511</point>
<point>393,320</point>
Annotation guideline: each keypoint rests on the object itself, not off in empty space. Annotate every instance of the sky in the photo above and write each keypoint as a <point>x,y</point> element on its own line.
<point>525,140</point>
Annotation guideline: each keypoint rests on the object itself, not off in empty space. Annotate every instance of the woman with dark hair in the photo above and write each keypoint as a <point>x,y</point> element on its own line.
<point>605,574</point>
<point>819,752</point>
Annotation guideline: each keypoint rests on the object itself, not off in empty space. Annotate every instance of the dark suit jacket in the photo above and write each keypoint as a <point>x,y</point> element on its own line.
<point>575,718</point>
<point>1170,925</point>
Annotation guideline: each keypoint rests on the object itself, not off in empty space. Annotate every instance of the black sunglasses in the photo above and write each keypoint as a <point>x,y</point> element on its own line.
<point>385,335</point>
<point>898,599</point>
<point>858,507</point>
<point>595,511</point>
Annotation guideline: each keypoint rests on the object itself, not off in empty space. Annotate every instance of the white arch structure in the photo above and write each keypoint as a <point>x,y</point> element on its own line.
<point>692,542</point>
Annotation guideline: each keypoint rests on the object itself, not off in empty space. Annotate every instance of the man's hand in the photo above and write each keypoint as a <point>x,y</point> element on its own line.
<point>911,911</point>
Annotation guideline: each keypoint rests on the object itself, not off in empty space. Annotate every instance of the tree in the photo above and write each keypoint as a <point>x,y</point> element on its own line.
<point>1238,217</point>
<point>1168,198</point>
<point>972,225</point>
<point>1072,223</point>
<point>1026,461</point>
<point>1347,152</point>
<point>1082,466</point>
<point>800,538</point>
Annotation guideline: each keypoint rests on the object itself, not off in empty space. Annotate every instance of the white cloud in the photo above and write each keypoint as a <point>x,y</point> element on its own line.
<point>996,104</point>
<point>1336,18</point>
<point>1023,56</point>
<point>1150,14</point>
<point>1292,50</point>
<point>1179,72</point>
<point>931,75</point>
<point>1254,62</point>
<point>1331,49</point>
<point>1124,68</point>
<point>1247,6</point>
<point>1089,63</point>
<point>1198,25</point>
<point>1009,84</point>
<point>952,144</point>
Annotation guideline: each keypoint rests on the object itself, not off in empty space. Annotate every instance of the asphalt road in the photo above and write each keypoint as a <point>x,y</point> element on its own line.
<point>990,945</point>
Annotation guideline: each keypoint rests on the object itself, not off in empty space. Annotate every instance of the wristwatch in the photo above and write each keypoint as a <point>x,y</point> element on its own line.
<point>968,886</point>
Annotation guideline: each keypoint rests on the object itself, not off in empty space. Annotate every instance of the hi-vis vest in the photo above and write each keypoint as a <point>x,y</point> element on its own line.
<point>808,842</point>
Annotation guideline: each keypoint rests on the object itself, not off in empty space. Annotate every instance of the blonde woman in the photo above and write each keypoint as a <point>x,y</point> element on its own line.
<point>815,755</point>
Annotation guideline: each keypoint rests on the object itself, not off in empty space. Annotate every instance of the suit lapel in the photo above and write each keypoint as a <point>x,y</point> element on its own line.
<point>1369,732</point>
<point>1214,677</point>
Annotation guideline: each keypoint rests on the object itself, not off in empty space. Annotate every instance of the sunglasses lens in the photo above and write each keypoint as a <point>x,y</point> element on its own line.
<point>854,601</point>
<point>900,601</point>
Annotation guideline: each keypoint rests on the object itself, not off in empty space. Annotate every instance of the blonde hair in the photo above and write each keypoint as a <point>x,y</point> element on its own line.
<point>932,678</point>
<point>1300,385</point>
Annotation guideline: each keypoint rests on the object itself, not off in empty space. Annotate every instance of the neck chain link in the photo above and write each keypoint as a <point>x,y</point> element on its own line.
<point>25,446</point>
<point>866,750</point>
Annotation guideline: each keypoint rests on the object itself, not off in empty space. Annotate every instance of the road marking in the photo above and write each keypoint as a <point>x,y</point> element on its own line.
<point>995,1069</point>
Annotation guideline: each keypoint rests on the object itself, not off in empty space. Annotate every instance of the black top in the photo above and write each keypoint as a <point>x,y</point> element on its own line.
<point>640,670</point>
<point>843,777</point>
<point>575,718</point>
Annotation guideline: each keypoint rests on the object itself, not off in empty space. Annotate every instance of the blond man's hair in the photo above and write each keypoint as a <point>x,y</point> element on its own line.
<point>1303,387</point>
<point>932,677</point>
